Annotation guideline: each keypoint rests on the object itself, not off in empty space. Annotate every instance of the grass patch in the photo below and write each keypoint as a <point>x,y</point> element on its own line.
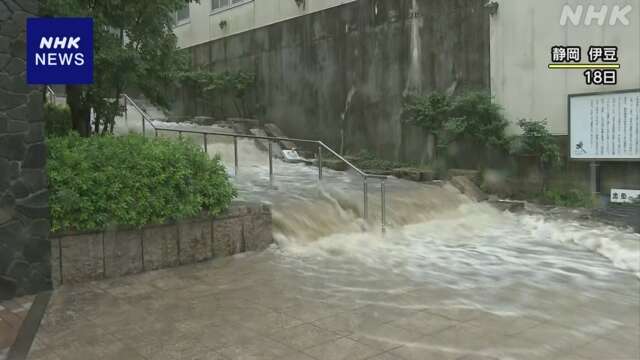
<point>367,161</point>
<point>567,195</point>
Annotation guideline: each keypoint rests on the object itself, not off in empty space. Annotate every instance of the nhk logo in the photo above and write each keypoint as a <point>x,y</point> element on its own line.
<point>59,50</point>
<point>588,15</point>
<point>53,58</point>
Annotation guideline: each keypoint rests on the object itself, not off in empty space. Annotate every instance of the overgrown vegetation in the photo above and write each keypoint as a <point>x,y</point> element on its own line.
<point>429,112</point>
<point>216,87</point>
<point>472,116</point>
<point>99,182</point>
<point>57,120</point>
<point>367,161</point>
<point>476,117</point>
<point>536,140</point>
<point>134,47</point>
<point>567,195</point>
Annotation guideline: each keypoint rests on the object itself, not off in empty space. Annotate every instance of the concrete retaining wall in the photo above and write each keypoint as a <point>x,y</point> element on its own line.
<point>340,75</point>
<point>83,257</point>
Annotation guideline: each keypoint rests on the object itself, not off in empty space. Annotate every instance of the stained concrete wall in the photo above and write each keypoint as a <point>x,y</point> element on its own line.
<point>339,75</point>
<point>24,213</point>
<point>204,23</point>
<point>522,34</point>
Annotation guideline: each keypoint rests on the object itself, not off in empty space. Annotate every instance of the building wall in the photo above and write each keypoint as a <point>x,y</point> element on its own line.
<point>522,34</point>
<point>340,74</point>
<point>24,212</point>
<point>204,24</point>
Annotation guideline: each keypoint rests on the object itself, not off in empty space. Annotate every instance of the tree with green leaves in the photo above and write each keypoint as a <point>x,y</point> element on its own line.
<point>471,116</point>
<point>233,85</point>
<point>134,48</point>
<point>429,112</point>
<point>538,141</point>
<point>475,116</point>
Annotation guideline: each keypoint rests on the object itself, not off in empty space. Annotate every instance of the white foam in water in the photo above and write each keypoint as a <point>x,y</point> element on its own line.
<point>433,232</point>
<point>477,239</point>
<point>621,247</point>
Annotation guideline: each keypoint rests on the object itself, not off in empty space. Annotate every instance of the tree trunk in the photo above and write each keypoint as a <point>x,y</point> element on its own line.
<point>80,112</point>
<point>238,109</point>
<point>436,156</point>
<point>96,124</point>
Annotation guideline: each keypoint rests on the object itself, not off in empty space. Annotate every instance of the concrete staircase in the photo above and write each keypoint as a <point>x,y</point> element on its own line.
<point>153,111</point>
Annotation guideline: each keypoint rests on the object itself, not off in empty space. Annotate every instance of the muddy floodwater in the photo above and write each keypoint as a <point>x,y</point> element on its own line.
<point>450,279</point>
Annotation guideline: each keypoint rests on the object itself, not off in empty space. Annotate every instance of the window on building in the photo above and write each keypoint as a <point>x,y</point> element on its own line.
<point>221,4</point>
<point>182,15</point>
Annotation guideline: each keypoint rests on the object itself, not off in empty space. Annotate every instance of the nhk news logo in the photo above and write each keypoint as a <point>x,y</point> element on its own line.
<point>599,15</point>
<point>60,50</point>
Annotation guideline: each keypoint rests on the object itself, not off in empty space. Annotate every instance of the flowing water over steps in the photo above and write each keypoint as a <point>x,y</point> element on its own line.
<point>442,252</point>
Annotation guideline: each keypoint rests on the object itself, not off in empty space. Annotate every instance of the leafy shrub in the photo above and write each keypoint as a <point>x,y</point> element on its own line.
<point>537,140</point>
<point>216,86</point>
<point>367,161</point>
<point>472,116</point>
<point>568,195</point>
<point>475,116</point>
<point>429,112</point>
<point>57,120</point>
<point>99,182</point>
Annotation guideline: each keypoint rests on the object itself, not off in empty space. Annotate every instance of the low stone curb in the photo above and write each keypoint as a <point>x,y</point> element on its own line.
<point>508,205</point>
<point>83,257</point>
<point>414,174</point>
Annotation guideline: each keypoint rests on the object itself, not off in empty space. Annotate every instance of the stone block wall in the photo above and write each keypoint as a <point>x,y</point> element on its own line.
<point>83,257</point>
<point>24,212</point>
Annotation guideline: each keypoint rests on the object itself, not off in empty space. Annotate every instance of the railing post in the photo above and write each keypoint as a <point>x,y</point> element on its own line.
<point>180,134</point>
<point>383,205</point>
<point>156,130</point>
<point>366,198</point>
<point>235,154</point>
<point>320,161</point>
<point>206,147</point>
<point>144,127</point>
<point>270,164</point>
<point>126,110</point>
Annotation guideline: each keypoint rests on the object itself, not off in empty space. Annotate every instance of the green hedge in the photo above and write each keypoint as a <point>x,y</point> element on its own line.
<point>99,182</point>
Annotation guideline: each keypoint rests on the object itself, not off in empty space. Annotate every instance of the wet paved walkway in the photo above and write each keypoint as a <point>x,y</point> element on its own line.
<point>12,314</point>
<point>252,307</point>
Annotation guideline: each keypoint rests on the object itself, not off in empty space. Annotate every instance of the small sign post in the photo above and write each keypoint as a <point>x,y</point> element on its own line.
<point>594,177</point>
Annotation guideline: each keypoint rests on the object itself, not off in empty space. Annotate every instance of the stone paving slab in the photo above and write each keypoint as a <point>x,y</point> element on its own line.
<point>254,307</point>
<point>12,314</point>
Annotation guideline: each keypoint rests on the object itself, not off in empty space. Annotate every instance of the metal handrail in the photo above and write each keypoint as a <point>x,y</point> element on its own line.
<point>146,118</point>
<point>321,145</point>
<point>365,176</point>
<point>51,95</point>
<point>273,138</point>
